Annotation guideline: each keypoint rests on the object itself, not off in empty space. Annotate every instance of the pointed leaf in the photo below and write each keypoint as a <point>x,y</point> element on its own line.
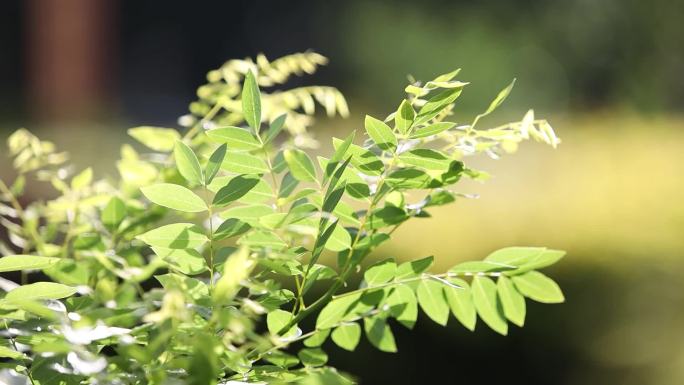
<point>174,197</point>
<point>175,236</point>
<point>300,165</point>
<point>538,287</point>
<point>235,189</point>
<point>488,304</point>
<point>235,137</point>
<point>25,262</point>
<point>40,291</point>
<point>432,300</point>
<point>461,303</point>
<point>187,163</point>
<point>403,119</point>
<point>251,101</point>
<point>432,129</point>
<point>214,163</point>
<point>513,302</point>
<point>381,133</point>
<point>113,214</point>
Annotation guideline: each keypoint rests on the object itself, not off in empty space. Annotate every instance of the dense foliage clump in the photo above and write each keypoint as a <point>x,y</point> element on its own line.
<point>202,263</point>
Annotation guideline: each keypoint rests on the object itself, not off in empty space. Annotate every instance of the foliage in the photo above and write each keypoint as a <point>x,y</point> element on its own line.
<point>203,263</point>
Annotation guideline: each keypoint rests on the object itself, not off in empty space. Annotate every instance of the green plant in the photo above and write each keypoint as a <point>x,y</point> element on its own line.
<point>200,264</point>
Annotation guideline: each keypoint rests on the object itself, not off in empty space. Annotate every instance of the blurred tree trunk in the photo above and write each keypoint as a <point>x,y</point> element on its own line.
<point>69,57</point>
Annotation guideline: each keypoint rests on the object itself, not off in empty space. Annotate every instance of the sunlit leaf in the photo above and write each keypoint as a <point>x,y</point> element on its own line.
<point>41,290</point>
<point>25,262</point>
<point>251,101</point>
<point>381,133</point>
<point>538,287</point>
<point>174,197</point>
<point>461,303</point>
<point>379,334</point>
<point>235,137</point>
<point>187,163</point>
<point>432,300</point>
<point>300,165</point>
<point>347,335</point>
<point>488,304</point>
<point>175,236</point>
<point>512,301</point>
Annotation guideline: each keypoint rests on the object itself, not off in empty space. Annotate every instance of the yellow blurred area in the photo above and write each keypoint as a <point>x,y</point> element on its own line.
<point>611,190</point>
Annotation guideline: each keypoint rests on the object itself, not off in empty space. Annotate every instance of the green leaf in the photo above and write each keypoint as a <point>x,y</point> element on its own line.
<point>513,302</point>
<point>251,101</point>
<point>403,305</point>
<point>379,334</point>
<point>113,214</point>
<point>386,216</point>
<point>193,288</point>
<point>235,137</point>
<point>339,239</point>
<point>403,119</point>
<point>174,197</point>
<point>40,291</point>
<point>461,303</point>
<point>187,163</point>
<point>380,272</point>
<point>204,364</point>
<point>436,104</point>
<point>432,300</point>
<point>187,261</point>
<point>244,163</point>
<point>25,262</point>
<point>214,164</point>
<point>83,179</point>
<point>500,97</point>
<point>312,357</point>
<point>263,239</point>
<point>317,339</point>
<point>334,311</point>
<point>488,304</point>
<point>414,268</point>
<point>526,258</point>
<point>281,359</point>
<point>432,129</point>
<point>277,319</point>
<point>235,189</point>
<point>473,267</point>
<point>341,149</point>
<point>236,269</point>
<point>6,352</point>
<point>175,236</point>
<point>231,227</point>
<point>538,287</point>
<point>347,335</point>
<point>156,138</point>
<point>275,128</point>
<point>249,213</point>
<point>364,160</point>
<point>426,159</point>
<point>300,165</point>
<point>381,133</point>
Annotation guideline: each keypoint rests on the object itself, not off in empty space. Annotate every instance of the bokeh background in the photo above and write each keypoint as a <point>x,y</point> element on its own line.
<point>609,75</point>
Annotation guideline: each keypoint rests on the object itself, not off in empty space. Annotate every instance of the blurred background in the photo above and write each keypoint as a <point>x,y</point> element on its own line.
<point>608,74</point>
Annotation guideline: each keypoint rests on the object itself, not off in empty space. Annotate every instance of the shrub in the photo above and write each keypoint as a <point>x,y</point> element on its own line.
<point>203,264</point>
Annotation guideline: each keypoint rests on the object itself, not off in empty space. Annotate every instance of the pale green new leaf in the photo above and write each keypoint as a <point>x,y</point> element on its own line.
<point>40,291</point>
<point>381,133</point>
<point>174,197</point>
<point>488,304</point>
<point>244,163</point>
<point>236,269</point>
<point>301,166</point>
<point>347,335</point>
<point>339,239</point>
<point>461,303</point>
<point>403,118</point>
<point>188,164</point>
<point>175,236</point>
<point>251,101</point>
<point>500,97</point>
<point>426,159</point>
<point>235,137</point>
<point>512,301</point>
<point>25,262</point>
<point>538,287</point>
<point>432,300</point>
<point>187,261</point>
<point>157,138</point>
<point>380,272</point>
<point>432,129</point>
<point>214,163</point>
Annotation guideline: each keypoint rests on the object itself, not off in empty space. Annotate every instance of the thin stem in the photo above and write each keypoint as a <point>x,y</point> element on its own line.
<point>210,115</point>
